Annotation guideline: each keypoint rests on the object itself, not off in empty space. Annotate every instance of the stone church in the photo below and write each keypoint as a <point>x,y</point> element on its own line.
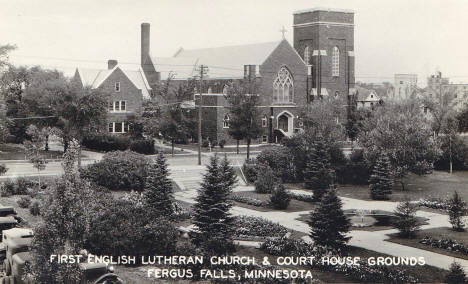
<point>319,63</point>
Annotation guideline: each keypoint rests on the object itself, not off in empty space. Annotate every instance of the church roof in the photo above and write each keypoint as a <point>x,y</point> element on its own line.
<point>223,62</point>
<point>95,77</point>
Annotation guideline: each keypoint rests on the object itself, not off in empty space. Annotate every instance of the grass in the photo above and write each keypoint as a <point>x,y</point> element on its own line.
<point>28,219</point>
<point>437,184</point>
<point>294,205</point>
<point>17,152</point>
<point>436,233</point>
<point>217,149</point>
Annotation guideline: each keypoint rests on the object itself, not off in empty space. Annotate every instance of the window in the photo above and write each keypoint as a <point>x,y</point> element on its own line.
<point>306,55</point>
<point>283,87</point>
<point>226,121</point>
<point>116,106</point>
<point>264,139</point>
<point>117,87</point>
<point>336,62</point>
<point>118,127</point>
<point>264,121</point>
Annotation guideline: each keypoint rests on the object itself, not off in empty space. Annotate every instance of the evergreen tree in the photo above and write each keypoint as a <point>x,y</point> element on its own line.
<point>280,197</point>
<point>406,221</point>
<point>457,209</point>
<point>158,188</point>
<point>456,274</point>
<point>266,179</point>
<point>211,210</point>
<point>328,224</point>
<point>380,182</point>
<point>318,174</point>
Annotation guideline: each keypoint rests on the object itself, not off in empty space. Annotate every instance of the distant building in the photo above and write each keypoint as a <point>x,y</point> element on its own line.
<point>368,100</point>
<point>440,89</point>
<point>127,88</point>
<point>405,86</point>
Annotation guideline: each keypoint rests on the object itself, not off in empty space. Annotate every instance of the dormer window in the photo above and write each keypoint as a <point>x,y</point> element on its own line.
<point>117,86</point>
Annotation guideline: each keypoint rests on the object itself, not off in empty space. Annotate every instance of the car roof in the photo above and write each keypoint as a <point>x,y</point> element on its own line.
<point>18,232</point>
<point>8,220</point>
<point>22,257</point>
<point>19,242</point>
<point>86,265</point>
<point>7,208</point>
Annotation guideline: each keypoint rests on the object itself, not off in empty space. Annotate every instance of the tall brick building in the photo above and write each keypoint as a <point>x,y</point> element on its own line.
<point>320,63</point>
<point>127,89</point>
<point>325,40</point>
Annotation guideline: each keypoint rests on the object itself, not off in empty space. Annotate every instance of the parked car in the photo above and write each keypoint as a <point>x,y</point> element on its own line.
<point>7,223</point>
<point>7,211</point>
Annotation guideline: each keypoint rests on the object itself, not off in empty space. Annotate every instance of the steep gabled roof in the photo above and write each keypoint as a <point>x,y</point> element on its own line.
<point>223,62</point>
<point>95,77</point>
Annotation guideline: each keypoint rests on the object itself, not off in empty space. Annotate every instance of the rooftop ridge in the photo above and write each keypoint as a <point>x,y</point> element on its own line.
<point>323,9</point>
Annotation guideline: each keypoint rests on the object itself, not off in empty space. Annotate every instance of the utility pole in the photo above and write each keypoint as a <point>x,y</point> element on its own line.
<point>203,70</point>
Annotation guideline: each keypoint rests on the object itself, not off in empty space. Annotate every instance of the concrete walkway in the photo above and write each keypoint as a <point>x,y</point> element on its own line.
<point>371,240</point>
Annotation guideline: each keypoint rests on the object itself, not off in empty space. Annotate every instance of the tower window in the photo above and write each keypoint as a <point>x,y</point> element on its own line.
<point>335,62</point>
<point>117,87</point>
<point>283,87</point>
<point>306,55</point>
<point>264,121</point>
<point>226,121</point>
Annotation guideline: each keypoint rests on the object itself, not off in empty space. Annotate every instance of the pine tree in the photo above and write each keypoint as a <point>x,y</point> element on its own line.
<point>266,179</point>
<point>380,182</point>
<point>211,210</point>
<point>406,221</point>
<point>280,197</point>
<point>158,188</point>
<point>318,174</point>
<point>328,224</point>
<point>456,274</point>
<point>457,209</point>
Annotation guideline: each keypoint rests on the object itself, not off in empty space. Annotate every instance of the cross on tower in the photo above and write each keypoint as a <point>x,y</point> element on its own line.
<point>283,31</point>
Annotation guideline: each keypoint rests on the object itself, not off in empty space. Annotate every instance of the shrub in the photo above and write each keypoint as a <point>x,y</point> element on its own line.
<point>122,229</point>
<point>287,246</point>
<point>24,201</point>
<point>107,142</point>
<point>248,200</point>
<point>8,188</point>
<point>266,179</point>
<point>406,221</point>
<point>3,169</point>
<point>248,226</point>
<point>280,161</point>
<point>447,244</point>
<point>143,146</point>
<point>214,143</point>
<point>205,143</point>
<point>23,185</point>
<point>35,209</point>
<point>456,274</point>
<point>457,210</point>
<point>119,171</point>
<point>250,171</point>
<point>221,143</point>
<point>356,170</point>
<point>302,197</point>
<point>280,198</point>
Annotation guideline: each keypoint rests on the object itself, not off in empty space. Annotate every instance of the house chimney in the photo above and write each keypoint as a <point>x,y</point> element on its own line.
<point>145,42</point>
<point>111,63</point>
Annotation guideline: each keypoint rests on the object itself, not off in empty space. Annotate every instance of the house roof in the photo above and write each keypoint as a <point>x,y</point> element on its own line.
<point>322,9</point>
<point>223,62</point>
<point>95,77</point>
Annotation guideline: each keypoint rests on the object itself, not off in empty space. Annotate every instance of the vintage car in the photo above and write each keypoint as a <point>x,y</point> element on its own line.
<point>7,223</point>
<point>7,211</point>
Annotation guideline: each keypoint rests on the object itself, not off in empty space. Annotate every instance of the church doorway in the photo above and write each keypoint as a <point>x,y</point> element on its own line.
<point>285,123</point>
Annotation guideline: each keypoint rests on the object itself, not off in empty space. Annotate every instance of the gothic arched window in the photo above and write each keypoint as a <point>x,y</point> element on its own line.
<point>307,55</point>
<point>335,62</point>
<point>226,121</point>
<point>283,87</point>
<point>264,121</point>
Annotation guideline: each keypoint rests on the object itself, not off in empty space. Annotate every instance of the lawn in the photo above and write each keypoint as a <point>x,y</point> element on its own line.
<point>17,152</point>
<point>437,184</point>
<point>294,205</point>
<point>28,219</point>
<point>436,233</point>
<point>230,149</point>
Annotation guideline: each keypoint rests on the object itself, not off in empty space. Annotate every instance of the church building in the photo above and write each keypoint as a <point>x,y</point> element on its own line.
<point>319,63</point>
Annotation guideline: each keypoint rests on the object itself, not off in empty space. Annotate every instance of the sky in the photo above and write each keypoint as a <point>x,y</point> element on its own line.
<point>391,36</point>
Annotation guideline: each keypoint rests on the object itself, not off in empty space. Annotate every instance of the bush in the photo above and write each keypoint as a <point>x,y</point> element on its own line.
<point>248,200</point>
<point>447,244</point>
<point>143,146</point>
<point>221,143</point>
<point>406,221</point>
<point>266,179</point>
<point>302,197</point>
<point>214,143</point>
<point>247,226</point>
<point>8,188</point>
<point>23,185</point>
<point>24,201</point>
<point>35,209</point>
<point>119,171</point>
<point>122,229</point>
<point>286,246</point>
<point>3,169</point>
<point>205,143</point>
<point>355,171</point>
<point>280,161</point>
<point>280,197</point>
<point>456,274</point>
<point>107,142</point>
<point>250,171</point>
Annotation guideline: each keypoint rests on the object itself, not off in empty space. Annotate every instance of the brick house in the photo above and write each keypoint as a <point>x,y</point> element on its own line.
<point>289,77</point>
<point>127,89</point>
